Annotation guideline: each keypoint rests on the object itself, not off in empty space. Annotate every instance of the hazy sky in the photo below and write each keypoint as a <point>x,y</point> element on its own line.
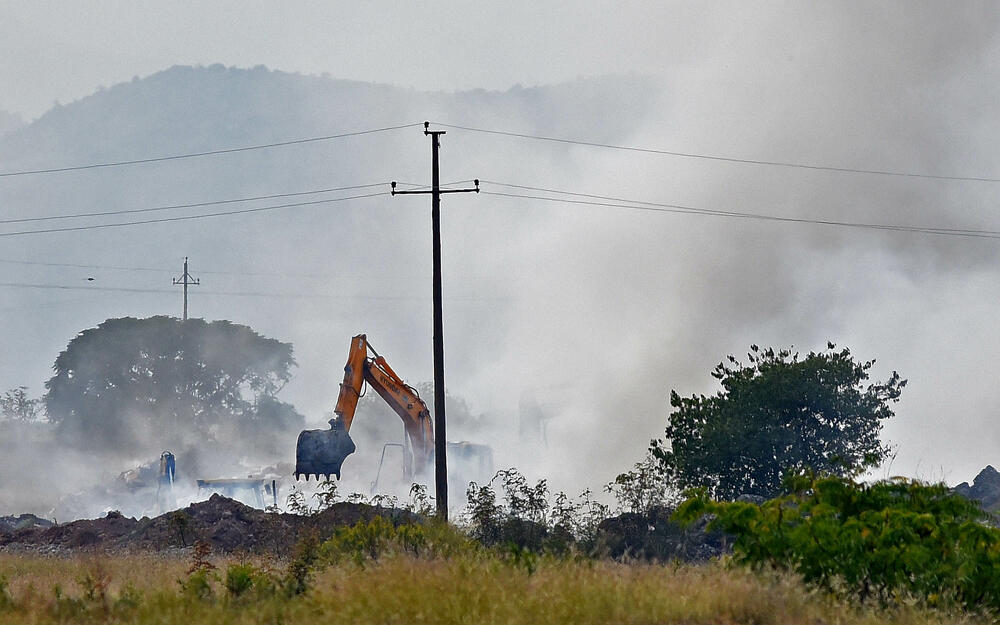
<point>899,86</point>
<point>64,50</point>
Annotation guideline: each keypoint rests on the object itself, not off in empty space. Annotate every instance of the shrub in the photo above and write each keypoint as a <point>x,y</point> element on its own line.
<point>882,540</point>
<point>239,578</point>
<point>300,569</point>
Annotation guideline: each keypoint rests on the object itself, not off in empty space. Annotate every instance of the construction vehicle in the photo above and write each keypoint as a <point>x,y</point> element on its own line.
<point>322,452</point>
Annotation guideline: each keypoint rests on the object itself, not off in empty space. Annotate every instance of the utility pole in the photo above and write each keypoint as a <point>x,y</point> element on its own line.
<point>186,279</point>
<point>440,429</point>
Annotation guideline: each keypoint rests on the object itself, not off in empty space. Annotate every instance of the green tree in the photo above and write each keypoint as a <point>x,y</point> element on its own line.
<point>129,378</point>
<point>883,540</point>
<point>777,413</point>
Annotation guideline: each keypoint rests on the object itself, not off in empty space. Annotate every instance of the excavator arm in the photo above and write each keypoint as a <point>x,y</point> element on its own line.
<point>322,452</point>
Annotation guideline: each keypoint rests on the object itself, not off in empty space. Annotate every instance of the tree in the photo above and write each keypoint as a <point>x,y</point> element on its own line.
<point>775,414</point>
<point>165,379</point>
<point>884,540</point>
<point>15,405</point>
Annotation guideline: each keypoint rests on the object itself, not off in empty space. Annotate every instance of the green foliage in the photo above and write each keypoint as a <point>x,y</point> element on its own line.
<point>522,515</point>
<point>198,585</point>
<point>301,567</point>
<point>6,601</point>
<point>775,414</point>
<point>129,598</point>
<point>380,538</point>
<point>127,376</point>
<point>642,489</point>
<point>200,574</point>
<point>884,540</point>
<point>243,577</point>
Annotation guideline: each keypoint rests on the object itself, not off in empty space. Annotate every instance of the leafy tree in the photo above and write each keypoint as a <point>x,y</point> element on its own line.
<point>775,414</point>
<point>642,489</point>
<point>129,378</point>
<point>868,541</point>
<point>15,405</point>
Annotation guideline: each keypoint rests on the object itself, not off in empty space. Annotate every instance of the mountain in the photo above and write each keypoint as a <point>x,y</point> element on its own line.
<point>985,489</point>
<point>9,122</point>
<point>314,274</point>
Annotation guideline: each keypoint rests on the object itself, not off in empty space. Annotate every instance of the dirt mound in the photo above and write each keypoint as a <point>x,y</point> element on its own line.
<point>653,536</point>
<point>227,525</point>
<point>11,523</point>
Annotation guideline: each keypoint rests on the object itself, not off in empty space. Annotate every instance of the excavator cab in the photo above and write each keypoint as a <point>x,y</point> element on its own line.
<point>322,452</point>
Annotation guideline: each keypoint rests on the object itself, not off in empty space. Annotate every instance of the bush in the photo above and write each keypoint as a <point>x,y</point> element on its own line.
<point>240,578</point>
<point>883,540</point>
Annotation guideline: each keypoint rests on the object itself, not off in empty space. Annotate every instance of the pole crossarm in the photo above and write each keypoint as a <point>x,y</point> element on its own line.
<point>440,432</point>
<point>186,280</point>
<point>427,191</point>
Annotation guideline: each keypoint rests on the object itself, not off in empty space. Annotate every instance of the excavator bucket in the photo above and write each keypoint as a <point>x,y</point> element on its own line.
<point>322,452</point>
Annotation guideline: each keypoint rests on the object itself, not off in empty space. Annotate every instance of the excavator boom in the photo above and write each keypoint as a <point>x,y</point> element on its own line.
<point>322,452</point>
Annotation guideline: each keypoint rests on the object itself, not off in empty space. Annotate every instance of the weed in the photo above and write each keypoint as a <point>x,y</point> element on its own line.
<point>199,557</point>
<point>129,598</point>
<point>296,502</point>
<point>420,502</point>
<point>326,496</point>
<point>300,569</point>
<point>6,601</point>
<point>240,578</point>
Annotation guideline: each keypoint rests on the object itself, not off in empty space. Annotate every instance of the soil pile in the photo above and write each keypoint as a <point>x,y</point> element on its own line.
<point>653,536</point>
<point>11,523</point>
<point>225,524</point>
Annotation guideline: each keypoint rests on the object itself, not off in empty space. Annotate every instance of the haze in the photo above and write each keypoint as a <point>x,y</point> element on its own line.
<point>600,310</point>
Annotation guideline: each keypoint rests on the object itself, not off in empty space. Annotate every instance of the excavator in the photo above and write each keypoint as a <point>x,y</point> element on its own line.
<point>322,452</point>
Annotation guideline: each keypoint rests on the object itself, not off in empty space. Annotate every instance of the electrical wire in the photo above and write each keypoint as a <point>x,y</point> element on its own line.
<point>189,217</point>
<point>174,157</point>
<point>192,205</point>
<point>201,292</point>
<point>623,203</point>
<point>726,159</point>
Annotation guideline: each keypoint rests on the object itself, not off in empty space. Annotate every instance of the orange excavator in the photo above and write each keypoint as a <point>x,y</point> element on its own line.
<point>322,452</point>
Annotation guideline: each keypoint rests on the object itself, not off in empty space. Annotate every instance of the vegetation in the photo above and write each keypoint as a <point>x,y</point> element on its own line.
<point>16,405</point>
<point>890,541</point>
<point>776,414</point>
<point>131,376</point>
<point>468,588</point>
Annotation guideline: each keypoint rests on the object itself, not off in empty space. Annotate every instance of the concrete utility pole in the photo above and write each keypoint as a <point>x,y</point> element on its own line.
<point>440,429</point>
<point>186,279</point>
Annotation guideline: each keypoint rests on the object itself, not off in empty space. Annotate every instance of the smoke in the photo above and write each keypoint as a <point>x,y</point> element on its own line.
<point>590,314</point>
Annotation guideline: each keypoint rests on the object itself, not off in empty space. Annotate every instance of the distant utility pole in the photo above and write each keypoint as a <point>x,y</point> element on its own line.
<point>440,435</point>
<point>185,280</point>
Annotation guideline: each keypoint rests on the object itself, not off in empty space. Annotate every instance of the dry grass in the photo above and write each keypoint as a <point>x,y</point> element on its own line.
<point>464,589</point>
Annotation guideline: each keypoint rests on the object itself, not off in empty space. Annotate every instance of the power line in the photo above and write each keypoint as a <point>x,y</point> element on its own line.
<point>623,203</point>
<point>264,294</point>
<point>279,274</point>
<point>174,157</point>
<point>189,217</point>
<point>726,159</point>
<point>191,205</point>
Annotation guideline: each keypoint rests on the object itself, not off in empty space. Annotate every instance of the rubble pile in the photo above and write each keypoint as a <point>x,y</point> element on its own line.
<point>227,525</point>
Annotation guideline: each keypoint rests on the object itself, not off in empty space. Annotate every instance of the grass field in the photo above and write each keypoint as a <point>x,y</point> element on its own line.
<point>481,588</point>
